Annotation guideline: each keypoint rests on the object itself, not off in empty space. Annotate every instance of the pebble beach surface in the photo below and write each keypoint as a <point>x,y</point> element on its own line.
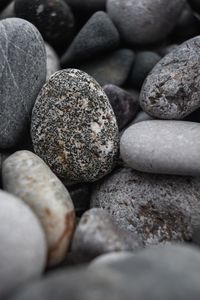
<point>100,149</point>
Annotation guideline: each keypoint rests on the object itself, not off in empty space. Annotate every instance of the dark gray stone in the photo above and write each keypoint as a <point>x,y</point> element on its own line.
<point>158,208</point>
<point>22,73</point>
<point>96,234</point>
<point>172,89</point>
<point>144,21</point>
<point>74,128</point>
<point>111,69</point>
<point>97,35</point>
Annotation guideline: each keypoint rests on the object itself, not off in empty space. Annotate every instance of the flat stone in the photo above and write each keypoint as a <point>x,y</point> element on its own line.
<point>23,245</point>
<point>97,36</point>
<point>80,149</point>
<point>96,234</point>
<point>143,22</point>
<point>22,72</point>
<point>28,177</point>
<point>53,61</point>
<point>162,147</point>
<point>158,208</point>
<point>172,89</point>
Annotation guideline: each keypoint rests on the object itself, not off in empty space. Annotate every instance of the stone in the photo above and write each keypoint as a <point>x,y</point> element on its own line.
<point>113,68</point>
<point>54,19</point>
<point>158,208</point>
<point>162,147</point>
<point>74,129</point>
<point>171,91</point>
<point>97,234</point>
<point>23,245</point>
<point>53,62</point>
<point>87,5</point>
<point>145,61</point>
<point>144,22</point>
<point>141,116</point>
<point>110,259</point>
<point>97,36</point>
<point>29,178</point>
<point>80,194</point>
<point>167,49</point>
<point>22,72</point>
<point>124,104</point>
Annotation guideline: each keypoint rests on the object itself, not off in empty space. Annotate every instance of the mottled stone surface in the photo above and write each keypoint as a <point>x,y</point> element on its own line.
<point>74,128</point>
<point>172,89</point>
<point>124,104</point>
<point>97,36</point>
<point>113,68</point>
<point>144,21</point>
<point>158,208</point>
<point>28,177</point>
<point>22,73</point>
<point>23,245</point>
<point>162,147</point>
<point>53,61</point>
<point>96,234</point>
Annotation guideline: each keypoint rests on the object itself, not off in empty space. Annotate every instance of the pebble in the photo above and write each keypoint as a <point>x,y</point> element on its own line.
<point>171,91</point>
<point>141,116</point>
<point>74,128</point>
<point>113,68</point>
<point>23,72</point>
<point>53,61</point>
<point>124,104</point>
<point>96,234</point>
<point>162,147</point>
<point>28,177</point>
<point>97,36</point>
<point>145,61</point>
<point>54,19</point>
<point>23,244</point>
<point>158,208</point>
<point>144,22</point>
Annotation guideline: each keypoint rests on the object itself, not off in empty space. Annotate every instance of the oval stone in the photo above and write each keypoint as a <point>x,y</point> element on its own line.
<point>74,128</point>
<point>25,175</point>
<point>22,72</point>
<point>23,245</point>
<point>165,147</point>
<point>172,89</point>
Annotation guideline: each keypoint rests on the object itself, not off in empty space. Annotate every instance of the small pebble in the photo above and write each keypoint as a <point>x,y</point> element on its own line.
<point>53,62</point>
<point>96,234</point>
<point>74,128</point>
<point>96,36</point>
<point>28,177</point>
<point>23,244</point>
<point>172,89</point>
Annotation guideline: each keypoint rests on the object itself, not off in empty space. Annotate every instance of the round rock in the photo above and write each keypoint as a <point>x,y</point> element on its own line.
<point>28,177</point>
<point>172,89</point>
<point>23,245</point>
<point>22,72</point>
<point>74,128</point>
<point>158,208</point>
<point>143,22</point>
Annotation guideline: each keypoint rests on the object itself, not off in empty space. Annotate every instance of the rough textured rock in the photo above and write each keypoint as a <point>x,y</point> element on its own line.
<point>124,104</point>
<point>28,177</point>
<point>96,234</point>
<point>53,62</point>
<point>23,244</point>
<point>144,21</point>
<point>158,208</point>
<point>111,69</point>
<point>21,82</point>
<point>74,128</point>
<point>97,36</point>
<point>171,91</point>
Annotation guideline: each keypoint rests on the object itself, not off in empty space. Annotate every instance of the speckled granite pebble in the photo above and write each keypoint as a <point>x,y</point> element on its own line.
<point>22,72</point>
<point>28,177</point>
<point>53,62</point>
<point>158,208</point>
<point>74,128</point>
<point>172,89</point>
<point>96,234</point>
<point>162,147</point>
<point>23,245</point>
